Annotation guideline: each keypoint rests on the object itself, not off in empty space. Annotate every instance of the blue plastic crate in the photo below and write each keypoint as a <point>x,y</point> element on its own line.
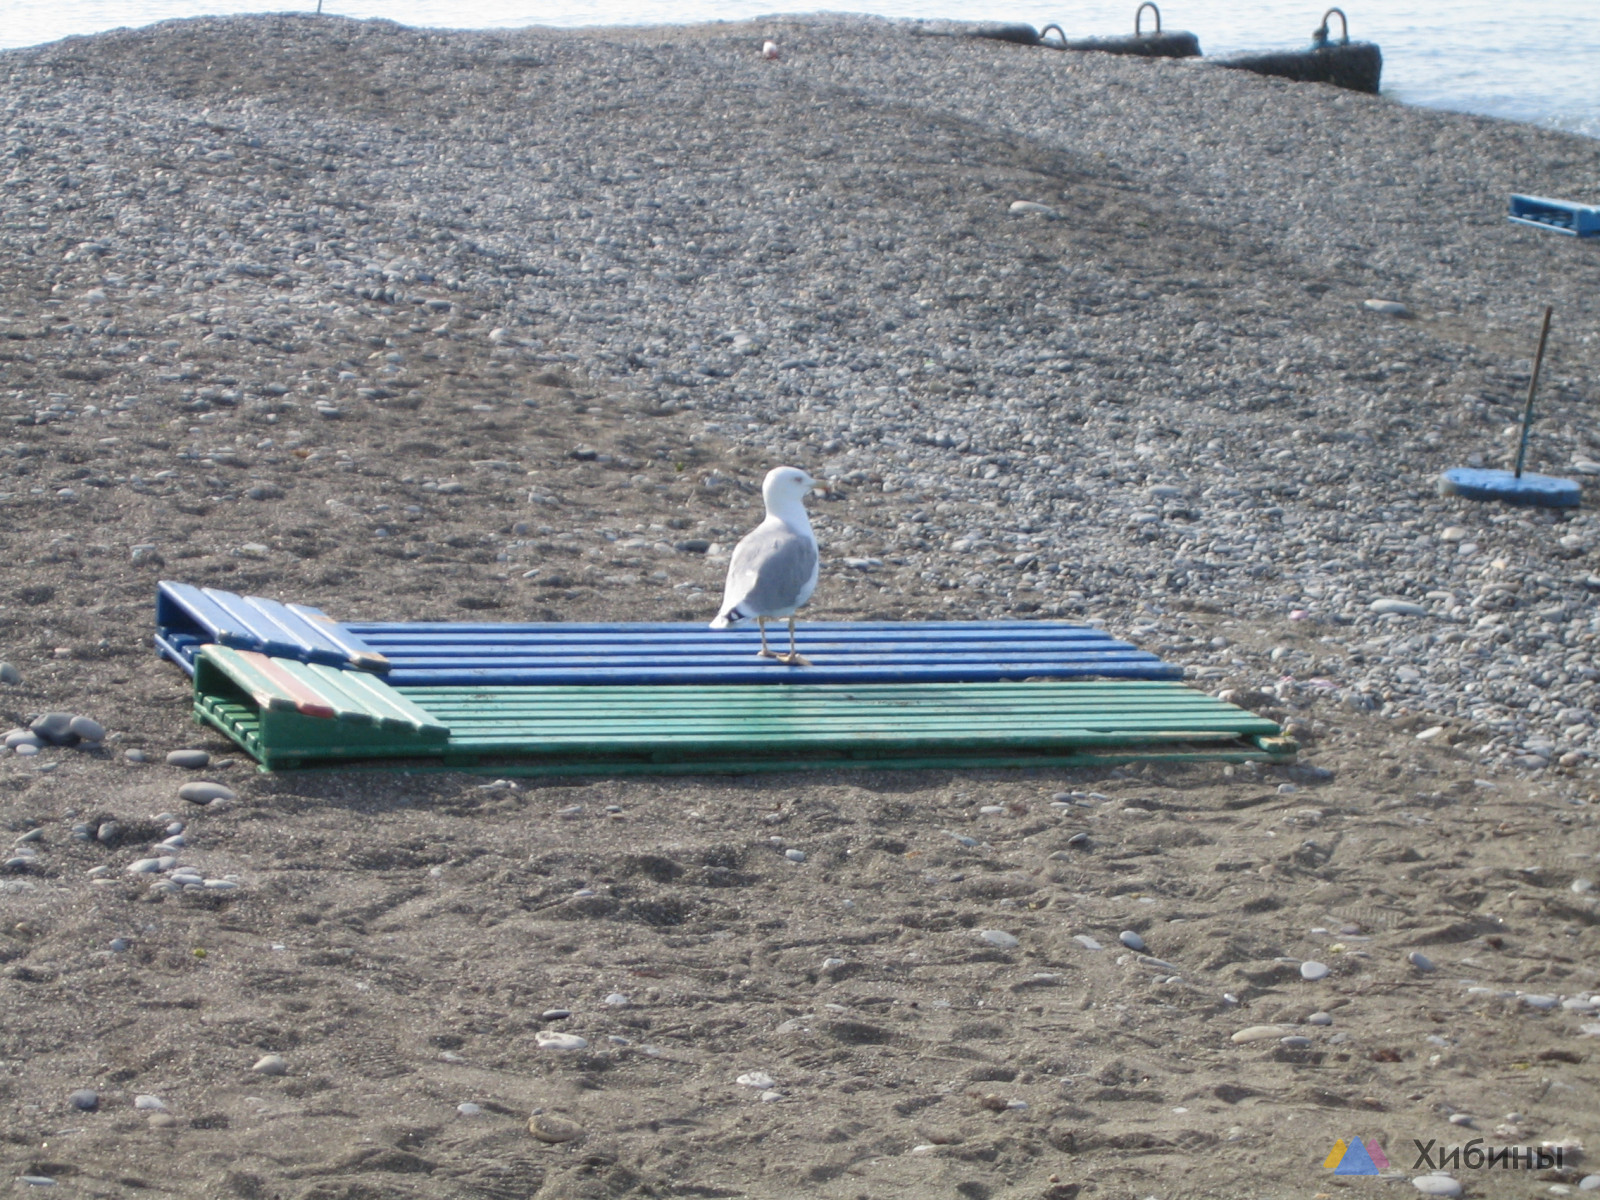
<point>1558,216</point>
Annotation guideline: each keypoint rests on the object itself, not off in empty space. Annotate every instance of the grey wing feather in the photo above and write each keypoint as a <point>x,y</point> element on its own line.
<point>770,571</point>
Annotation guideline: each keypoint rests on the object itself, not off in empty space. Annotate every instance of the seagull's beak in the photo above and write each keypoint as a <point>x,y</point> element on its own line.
<point>819,485</point>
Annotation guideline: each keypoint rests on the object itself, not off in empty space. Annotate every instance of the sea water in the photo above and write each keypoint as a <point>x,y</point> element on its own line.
<point>1526,60</point>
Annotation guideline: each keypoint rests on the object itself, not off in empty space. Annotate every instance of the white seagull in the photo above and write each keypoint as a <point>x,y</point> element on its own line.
<point>773,570</point>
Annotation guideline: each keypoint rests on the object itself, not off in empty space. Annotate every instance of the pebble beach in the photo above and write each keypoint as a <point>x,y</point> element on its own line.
<point>509,326</point>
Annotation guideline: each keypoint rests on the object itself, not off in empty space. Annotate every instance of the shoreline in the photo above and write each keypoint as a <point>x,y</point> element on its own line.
<point>1549,122</point>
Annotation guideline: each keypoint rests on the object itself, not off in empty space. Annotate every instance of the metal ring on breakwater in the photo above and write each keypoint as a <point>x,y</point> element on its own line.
<point>1357,66</point>
<point>1320,37</point>
<point>1154,44</point>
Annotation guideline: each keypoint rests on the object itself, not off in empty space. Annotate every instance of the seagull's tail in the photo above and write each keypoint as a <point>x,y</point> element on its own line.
<point>731,616</point>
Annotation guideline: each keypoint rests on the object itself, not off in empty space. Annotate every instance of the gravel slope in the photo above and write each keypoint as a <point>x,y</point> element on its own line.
<point>412,324</point>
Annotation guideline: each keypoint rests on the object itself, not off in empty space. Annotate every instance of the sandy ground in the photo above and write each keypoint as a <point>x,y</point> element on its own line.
<point>400,939</point>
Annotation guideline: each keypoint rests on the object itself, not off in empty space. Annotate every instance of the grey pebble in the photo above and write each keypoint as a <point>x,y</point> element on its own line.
<point>1295,1041</point>
<point>37,1180</point>
<point>795,856</point>
<point>1404,608</point>
<point>136,756</point>
<point>469,1109</point>
<point>1078,840</point>
<point>548,1127</point>
<point>148,1103</point>
<point>118,945</point>
<point>1420,961</point>
<point>9,674</point>
<point>271,1064</point>
<point>87,728</point>
<point>1131,940</point>
<point>33,835</point>
<point>151,866</point>
<point>1313,971</point>
<point>618,1000</point>
<point>204,791</point>
<point>16,738</point>
<point>1319,1018</point>
<point>191,759</point>
<point>55,728</point>
<point>1087,942</point>
<point>84,1099</point>
<point>108,833</point>
<point>27,749</point>
<point>1436,1185</point>
<point>1589,1183</point>
<point>555,1014</point>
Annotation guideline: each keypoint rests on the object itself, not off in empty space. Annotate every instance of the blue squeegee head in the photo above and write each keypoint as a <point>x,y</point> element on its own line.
<point>1541,491</point>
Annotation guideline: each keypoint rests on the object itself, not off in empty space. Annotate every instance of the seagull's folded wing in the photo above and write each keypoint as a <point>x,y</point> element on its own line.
<point>770,570</point>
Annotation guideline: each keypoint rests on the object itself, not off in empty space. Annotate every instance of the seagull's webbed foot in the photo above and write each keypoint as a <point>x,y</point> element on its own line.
<point>764,652</point>
<point>793,659</point>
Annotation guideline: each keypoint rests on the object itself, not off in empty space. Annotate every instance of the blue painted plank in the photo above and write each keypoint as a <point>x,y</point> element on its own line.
<point>1005,629</point>
<point>818,655</point>
<point>336,638</point>
<point>734,646</point>
<point>769,672</point>
<point>703,641</point>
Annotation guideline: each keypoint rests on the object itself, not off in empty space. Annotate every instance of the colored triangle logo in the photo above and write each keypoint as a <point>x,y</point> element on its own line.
<point>1334,1155</point>
<point>1377,1155</point>
<point>1356,1160</point>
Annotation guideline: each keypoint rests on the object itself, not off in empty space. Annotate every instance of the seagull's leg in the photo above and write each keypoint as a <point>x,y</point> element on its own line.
<point>794,658</point>
<point>761,623</point>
